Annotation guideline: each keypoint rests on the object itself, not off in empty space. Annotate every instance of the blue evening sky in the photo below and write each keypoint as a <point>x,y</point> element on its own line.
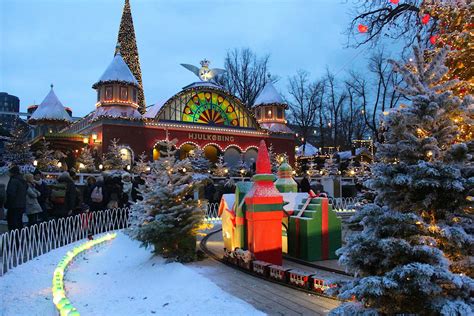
<point>70,42</point>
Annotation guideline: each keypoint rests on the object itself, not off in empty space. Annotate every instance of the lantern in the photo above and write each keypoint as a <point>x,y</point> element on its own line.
<point>363,28</point>
<point>425,19</point>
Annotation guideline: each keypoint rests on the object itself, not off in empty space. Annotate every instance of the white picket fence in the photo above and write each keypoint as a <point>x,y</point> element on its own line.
<point>345,205</point>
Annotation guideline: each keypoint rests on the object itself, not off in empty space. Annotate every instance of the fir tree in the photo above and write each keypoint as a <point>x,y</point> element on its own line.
<point>406,254</point>
<point>142,164</point>
<point>273,159</point>
<point>199,162</point>
<point>221,169</point>
<point>85,161</point>
<point>45,158</point>
<point>330,167</point>
<point>113,158</point>
<point>167,217</point>
<point>241,169</point>
<point>312,168</point>
<point>17,147</point>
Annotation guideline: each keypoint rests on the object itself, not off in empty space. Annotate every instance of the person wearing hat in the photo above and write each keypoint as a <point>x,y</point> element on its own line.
<point>33,208</point>
<point>42,187</point>
<point>16,199</point>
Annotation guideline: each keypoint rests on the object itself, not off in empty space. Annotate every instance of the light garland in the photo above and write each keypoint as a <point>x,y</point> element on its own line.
<point>60,300</point>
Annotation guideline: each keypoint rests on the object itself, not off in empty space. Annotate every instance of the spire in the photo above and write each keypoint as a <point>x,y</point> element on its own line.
<point>263,165</point>
<point>127,46</point>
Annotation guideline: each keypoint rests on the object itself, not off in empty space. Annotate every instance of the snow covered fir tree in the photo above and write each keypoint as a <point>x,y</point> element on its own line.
<point>45,158</point>
<point>85,161</point>
<point>414,254</point>
<point>142,164</point>
<point>220,169</point>
<point>168,217</point>
<point>113,158</point>
<point>17,148</point>
<point>199,162</point>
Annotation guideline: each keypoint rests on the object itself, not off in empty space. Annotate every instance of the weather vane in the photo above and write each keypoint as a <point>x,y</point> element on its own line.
<point>204,73</point>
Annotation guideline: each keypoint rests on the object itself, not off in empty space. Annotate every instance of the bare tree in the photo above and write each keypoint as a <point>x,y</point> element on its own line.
<point>246,74</point>
<point>305,102</point>
<point>383,19</point>
<point>377,94</point>
<point>335,101</point>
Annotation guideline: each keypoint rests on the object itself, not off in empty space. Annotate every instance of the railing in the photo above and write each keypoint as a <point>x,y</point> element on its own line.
<point>343,205</point>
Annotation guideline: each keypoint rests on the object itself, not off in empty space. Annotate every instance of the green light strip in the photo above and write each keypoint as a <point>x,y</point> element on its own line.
<point>63,304</point>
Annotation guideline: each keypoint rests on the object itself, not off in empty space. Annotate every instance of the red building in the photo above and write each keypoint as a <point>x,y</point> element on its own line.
<point>201,115</point>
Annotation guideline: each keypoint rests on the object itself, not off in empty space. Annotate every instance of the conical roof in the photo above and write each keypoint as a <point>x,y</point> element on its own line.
<point>117,71</point>
<point>51,109</point>
<point>269,95</point>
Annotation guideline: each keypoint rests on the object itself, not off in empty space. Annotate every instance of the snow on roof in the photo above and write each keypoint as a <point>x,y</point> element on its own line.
<point>269,95</point>
<point>153,110</point>
<point>51,109</point>
<point>276,127</point>
<point>117,71</point>
<point>120,112</point>
<point>309,150</point>
<point>344,155</point>
<point>202,84</point>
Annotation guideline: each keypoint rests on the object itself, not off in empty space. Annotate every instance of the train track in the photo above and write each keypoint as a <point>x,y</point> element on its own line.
<point>208,252</point>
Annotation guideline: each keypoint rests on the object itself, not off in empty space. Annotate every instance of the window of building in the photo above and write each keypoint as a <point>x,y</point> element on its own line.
<point>123,93</point>
<point>268,112</point>
<point>279,113</point>
<point>109,93</point>
<point>98,95</point>
<point>134,95</point>
<point>258,113</point>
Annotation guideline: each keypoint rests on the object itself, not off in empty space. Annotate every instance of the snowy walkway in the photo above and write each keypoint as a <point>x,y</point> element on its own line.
<point>117,278</point>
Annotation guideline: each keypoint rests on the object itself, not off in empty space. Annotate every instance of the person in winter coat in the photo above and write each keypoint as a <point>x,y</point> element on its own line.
<point>66,191</point>
<point>97,195</point>
<point>127,187</point>
<point>16,199</point>
<point>305,185</point>
<point>33,208</point>
<point>86,195</point>
<point>42,187</point>
<point>113,190</point>
<point>3,197</point>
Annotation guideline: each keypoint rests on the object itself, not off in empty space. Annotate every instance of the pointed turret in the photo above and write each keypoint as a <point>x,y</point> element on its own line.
<point>129,51</point>
<point>117,91</point>
<point>285,182</point>
<point>269,108</point>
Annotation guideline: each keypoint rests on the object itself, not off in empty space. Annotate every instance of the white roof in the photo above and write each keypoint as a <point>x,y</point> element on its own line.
<point>276,127</point>
<point>118,71</point>
<point>116,111</point>
<point>309,150</point>
<point>51,109</point>
<point>268,95</point>
<point>153,110</point>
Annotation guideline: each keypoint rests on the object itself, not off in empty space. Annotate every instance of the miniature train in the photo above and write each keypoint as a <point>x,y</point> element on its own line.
<point>294,277</point>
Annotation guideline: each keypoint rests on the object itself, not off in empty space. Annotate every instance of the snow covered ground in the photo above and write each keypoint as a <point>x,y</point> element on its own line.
<point>117,278</point>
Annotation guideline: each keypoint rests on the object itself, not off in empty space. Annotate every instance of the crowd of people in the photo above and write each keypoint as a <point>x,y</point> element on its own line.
<point>30,194</point>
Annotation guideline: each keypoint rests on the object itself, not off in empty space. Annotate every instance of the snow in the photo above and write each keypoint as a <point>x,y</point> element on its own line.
<point>268,95</point>
<point>276,127</point>
<point>153,110</point>
<point>117,111</point>
<point>309,150</point>
<point>118,71</point>
<point>51,109</point>
<point>117,278</point>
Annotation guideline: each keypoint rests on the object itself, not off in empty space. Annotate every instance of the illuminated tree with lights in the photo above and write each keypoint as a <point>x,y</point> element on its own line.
<point>221,169</point>
<point>113,158</point>
<point>199,162</point>
<point>413,255</point>
<point>273,159</point>
<point>17,147</point>
<point>168,218</point>
<point>129,50</point>
<point>142,164</point>
<point>45,158</point>
<point>86,162</point>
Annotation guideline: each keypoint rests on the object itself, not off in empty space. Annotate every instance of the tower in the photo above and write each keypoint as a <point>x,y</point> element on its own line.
<point>128,48</point>
<point>117,91</point>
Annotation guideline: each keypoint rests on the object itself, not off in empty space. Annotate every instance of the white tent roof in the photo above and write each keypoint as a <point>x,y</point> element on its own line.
<point>118,71</point>
<point>51,109</point>
<point>309,150</point>
<point>268,95</point>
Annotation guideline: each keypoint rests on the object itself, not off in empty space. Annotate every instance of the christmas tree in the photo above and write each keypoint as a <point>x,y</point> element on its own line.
<point>273,159</point>
<point>45,158</point>
<point>167,217</point>
<point>142,164</point>
<point>241,169</point>
<point>221,169</point>
<point>199,162</point>
<point>17,147</point>
<point>330,167</point>
<point>85,161</point>
<point>113,158</point>
<point>312,168</point>
<point>129,50</point>
<point>413,256</point>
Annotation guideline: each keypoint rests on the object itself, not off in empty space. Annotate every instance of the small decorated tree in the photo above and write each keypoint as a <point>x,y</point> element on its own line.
<point>273,159</point>
<point>142,164</point>
<point>168,218</point>
<point>45,158</point>
<point>85,161</point>
<point>199,162</point>
<point>17,147</point>
<point>221,169</point>
<point>241,169</point>
<point>330,167</point>
<point>113,158</point>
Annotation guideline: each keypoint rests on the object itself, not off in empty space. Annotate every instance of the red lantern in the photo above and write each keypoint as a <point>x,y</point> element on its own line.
<point>425,19</point>
<point>433,39</point>
<point>394,1</point>
<point>363,28</point>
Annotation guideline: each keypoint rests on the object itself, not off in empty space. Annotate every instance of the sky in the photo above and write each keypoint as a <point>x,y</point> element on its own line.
<point>69,43</point>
